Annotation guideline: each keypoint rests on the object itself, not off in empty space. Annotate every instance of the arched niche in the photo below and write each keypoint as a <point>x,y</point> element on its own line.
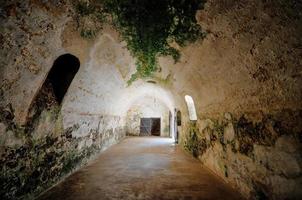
<point>191,108</point>
<point>62,73</point>
<point>55,85</point>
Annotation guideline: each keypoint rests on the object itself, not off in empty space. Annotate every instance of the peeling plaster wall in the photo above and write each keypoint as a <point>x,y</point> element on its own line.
<point>30,38</point>
<point>90,99</point>
<point>249,60</point>
<point>260,157</point>
<point>248,66</point>
<point>34,157</point>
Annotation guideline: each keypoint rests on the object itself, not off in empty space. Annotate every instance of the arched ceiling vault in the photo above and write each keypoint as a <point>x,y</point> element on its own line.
<point>241,66</point>
<point>100,87</point>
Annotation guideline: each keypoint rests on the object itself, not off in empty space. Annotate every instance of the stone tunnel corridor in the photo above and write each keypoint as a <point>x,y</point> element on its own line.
<point>144,168</point>
<point>151,99</point>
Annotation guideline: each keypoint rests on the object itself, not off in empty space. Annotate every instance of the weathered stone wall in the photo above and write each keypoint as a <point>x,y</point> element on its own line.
<point>260,155</point>
<point>40,140</point>
<point>30,37</point>
<point>248,61</point>
<point>247,65</point>
<point>37,155</point>
<point>34,158</point>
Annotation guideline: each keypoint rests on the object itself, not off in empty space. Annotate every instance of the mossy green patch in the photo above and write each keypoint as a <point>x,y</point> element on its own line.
<point>195,145</point>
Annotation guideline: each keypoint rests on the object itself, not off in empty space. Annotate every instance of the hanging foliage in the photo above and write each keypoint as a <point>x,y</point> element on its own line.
<point>150,26</point>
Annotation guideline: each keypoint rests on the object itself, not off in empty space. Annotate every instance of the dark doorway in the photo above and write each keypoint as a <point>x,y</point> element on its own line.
<point>178,115</point>
<point>150,126</point>
<point>62,73</point>
<point>170,124</point>
<point>177,122</point>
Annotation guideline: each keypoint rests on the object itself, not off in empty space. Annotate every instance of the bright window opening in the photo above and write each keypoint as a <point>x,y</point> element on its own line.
<point>191,108</point>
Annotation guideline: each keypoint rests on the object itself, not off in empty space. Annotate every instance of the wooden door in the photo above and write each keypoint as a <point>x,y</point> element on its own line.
<point>150,126</point>
<point>155,130</point>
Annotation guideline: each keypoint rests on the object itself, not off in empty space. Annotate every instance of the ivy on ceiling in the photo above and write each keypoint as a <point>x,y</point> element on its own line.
<point>149,27</point>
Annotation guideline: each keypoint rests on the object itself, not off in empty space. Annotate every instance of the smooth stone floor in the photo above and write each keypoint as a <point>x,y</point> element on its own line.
<point>146,168</point>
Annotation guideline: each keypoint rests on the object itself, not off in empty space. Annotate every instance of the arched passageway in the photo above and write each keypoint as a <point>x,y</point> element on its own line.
<point>242,120</point>
<point>148,116</point>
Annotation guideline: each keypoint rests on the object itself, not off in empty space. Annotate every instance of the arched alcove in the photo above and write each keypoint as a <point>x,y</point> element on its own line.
<point>55,85</point>
<point>62,73</point>
<point>191,108</point>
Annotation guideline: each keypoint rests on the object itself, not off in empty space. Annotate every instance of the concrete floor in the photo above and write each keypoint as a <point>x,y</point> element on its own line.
<point>148,168</point>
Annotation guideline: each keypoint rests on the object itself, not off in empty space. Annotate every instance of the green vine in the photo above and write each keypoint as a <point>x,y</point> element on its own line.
<point>149,28</point>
